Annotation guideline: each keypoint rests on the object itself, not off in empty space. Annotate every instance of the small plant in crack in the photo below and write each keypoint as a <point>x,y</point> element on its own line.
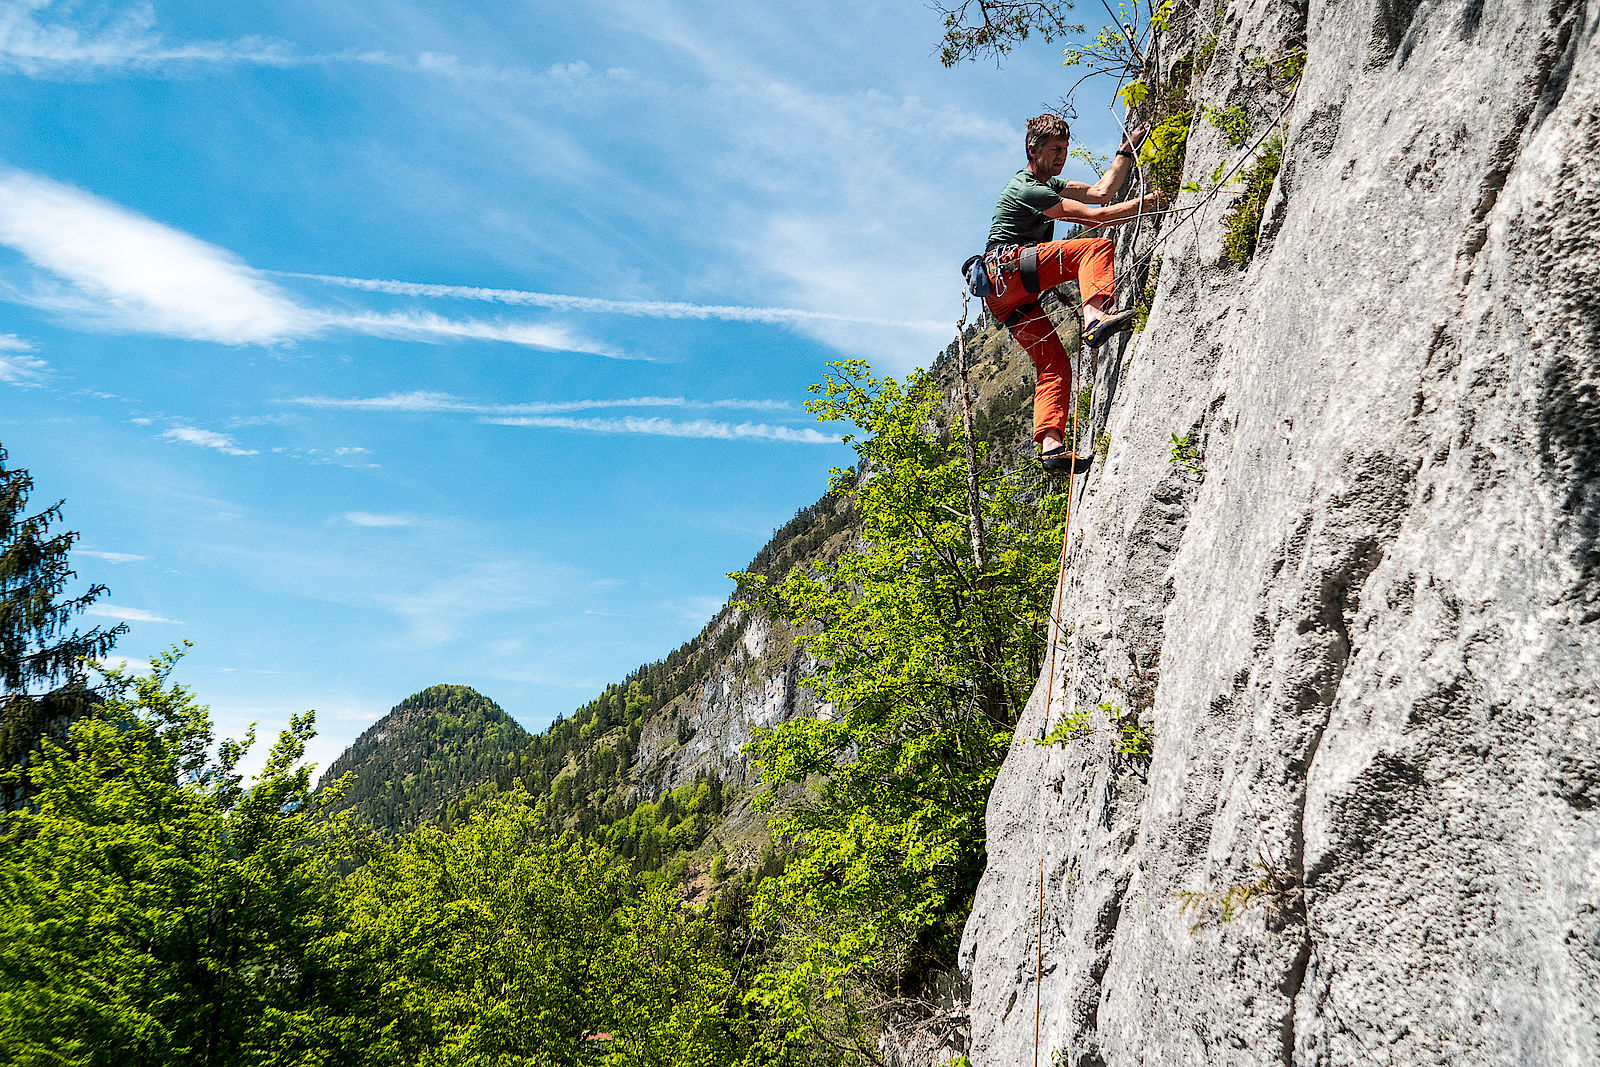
<point>1141,310</point>
<point>1242,225</point>
<point>1072,726</point>
<point>1276,890</point>
<point>1130,742</point>
<point>1187,456</point>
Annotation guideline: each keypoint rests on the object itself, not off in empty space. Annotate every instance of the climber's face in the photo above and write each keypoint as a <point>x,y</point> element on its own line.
<point>1048,157</point>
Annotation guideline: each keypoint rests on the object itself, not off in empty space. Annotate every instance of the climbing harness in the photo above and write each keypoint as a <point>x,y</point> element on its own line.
<point>986,272</point>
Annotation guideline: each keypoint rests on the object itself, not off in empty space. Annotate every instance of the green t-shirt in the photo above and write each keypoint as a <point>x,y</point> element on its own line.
<point>1017,217</point>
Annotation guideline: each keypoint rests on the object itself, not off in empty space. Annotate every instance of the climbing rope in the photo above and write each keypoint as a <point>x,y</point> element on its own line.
<point>1054,632</point>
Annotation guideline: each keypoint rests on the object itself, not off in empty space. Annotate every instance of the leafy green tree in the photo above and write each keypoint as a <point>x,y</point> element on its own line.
<point>42,674</point>
<point>926,663</point>
<point>501,945</point>
<point>155,909</point>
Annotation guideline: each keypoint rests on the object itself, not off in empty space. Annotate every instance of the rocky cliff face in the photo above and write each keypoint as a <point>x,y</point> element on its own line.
<point>756,687</point>
<point>1362,620</point>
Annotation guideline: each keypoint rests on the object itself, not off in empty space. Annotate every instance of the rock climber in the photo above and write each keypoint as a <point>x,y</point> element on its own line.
<point>1021,261</point>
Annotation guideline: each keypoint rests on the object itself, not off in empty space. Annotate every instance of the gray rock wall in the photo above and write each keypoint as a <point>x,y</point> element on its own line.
<point>758,686</point>
<point>1365,634</point>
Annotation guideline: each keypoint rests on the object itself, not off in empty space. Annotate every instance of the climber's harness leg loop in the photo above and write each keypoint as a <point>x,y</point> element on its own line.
<point>1028,267</point>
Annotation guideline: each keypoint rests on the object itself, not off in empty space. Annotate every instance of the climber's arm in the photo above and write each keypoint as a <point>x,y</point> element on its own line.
<point>1104,215</point>
<point>1114,177</point>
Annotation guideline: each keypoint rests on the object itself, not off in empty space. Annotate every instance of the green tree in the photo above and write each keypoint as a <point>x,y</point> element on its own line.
<point>926,663</point>
<point>42,673</point>
<point>501,945</point>
<point>154,909</point>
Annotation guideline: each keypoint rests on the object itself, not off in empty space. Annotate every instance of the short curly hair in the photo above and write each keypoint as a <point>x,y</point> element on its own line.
<point>1044,127</point>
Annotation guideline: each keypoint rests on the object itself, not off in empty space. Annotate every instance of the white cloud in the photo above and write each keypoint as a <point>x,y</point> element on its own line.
<point>658,309</point>
<point>423,402</point>
<point>193,435</point>
<point>110,40</point>
<point>113,270</point>
<point>113,611</point>
<point>10,342</point>
<point>21,369</point>
<point>110,557</point>
<point>551,415</point>
<point>700,428</point>
<point>127,665</point>
<point>132,273</point>
<point>368,518</point>
<point>45,38</point>
<point>425,326</point>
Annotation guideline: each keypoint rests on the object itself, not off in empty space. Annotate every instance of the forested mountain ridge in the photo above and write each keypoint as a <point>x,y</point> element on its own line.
<point>430,748</point>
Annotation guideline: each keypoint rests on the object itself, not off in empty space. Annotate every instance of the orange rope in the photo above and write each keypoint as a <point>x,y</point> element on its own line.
<point>1049,705</point>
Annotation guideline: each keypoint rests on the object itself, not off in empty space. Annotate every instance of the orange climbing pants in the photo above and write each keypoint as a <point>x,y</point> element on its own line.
<point>1088,260</point>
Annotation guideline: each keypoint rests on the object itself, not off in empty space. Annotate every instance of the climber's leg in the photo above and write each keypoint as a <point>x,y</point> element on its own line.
<point>1090,261</point>
<point>1052,389</point>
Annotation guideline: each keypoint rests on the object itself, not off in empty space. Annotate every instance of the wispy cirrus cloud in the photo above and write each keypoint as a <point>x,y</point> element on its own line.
<point>110,557</point>
<point>658,309</point>
<point>54,39</point>
<point>422,402</point>
<point>193,435</point>
<point>555,415</point>
<point>425,326</point>
<point>43,37</point>
<point>20,367</point>
<point>377,520</point>
<point>110,269</point>
<point>125,270</point>
<point>114,611</point>
<point>657,427</point>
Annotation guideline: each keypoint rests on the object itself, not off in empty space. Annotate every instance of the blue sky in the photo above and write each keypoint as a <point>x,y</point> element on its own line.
<point>375,345</point>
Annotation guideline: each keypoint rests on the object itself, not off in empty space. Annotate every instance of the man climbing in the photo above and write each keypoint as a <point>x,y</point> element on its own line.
<point>1022,261</point>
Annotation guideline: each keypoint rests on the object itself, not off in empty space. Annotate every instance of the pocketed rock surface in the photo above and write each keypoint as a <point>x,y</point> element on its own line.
<point>1362,624</point>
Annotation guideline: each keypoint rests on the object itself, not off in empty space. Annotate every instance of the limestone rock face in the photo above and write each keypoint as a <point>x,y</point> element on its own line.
<point>756,687</point>
<point>1362,622</point>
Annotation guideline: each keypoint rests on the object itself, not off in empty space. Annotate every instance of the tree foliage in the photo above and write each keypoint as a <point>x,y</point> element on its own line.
<point>501,945</point>
<point>974,28</point>
<point>42,672</point>
<point>155,910</point>
<point>926,664</point>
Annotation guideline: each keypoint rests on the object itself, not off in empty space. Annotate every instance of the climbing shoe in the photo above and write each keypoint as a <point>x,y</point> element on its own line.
<point>1102,331</point>
<point>1060,461</point>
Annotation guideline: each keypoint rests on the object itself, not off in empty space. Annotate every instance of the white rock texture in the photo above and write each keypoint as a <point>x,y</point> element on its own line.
<point>1366,639</point>
<point>756,687</point>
